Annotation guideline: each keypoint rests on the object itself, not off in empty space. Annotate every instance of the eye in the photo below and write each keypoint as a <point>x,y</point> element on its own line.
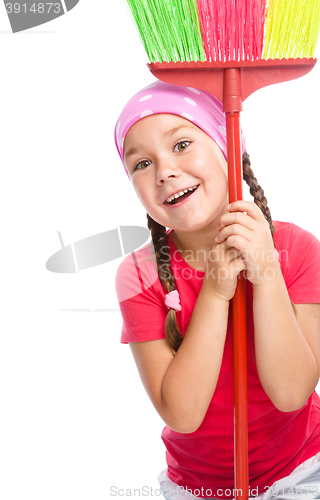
<point>181,145</point>
<point>144,164</point>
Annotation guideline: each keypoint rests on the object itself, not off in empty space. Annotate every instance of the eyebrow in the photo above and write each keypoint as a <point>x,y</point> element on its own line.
<point>136,149</point>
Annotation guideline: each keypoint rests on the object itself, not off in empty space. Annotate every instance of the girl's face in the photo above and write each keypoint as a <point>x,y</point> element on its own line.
<point>166,154</point>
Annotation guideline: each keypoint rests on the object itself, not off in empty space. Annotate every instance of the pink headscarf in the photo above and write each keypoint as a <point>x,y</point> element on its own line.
<point>197,106</point>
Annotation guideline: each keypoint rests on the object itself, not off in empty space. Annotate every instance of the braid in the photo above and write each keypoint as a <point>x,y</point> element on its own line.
<point>159,239</point>
<point>259,198</point>
<point>256,191</point>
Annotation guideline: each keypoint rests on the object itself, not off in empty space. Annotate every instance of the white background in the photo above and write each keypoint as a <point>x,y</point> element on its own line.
<point>75,418</point>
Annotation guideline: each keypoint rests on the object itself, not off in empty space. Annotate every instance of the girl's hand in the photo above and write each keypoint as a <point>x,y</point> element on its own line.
<point>250,235</point>
<point>223,267</point>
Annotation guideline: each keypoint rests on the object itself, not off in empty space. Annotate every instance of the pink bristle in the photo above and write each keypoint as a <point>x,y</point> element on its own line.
<point>232,29</point>
<point>204,17</point>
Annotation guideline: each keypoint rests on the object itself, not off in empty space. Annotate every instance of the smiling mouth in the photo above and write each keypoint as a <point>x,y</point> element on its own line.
<point>181,198</point>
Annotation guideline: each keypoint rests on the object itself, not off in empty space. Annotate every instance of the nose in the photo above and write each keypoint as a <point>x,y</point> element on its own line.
<point>167,169</point>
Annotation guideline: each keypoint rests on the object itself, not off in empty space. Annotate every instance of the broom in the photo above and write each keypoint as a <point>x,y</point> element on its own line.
<point>230,48</point>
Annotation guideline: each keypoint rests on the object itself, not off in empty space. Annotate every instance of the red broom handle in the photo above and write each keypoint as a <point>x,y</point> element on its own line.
<point>232,107</point>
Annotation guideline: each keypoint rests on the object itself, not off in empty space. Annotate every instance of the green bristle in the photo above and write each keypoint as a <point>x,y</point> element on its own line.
<point>169,29</point>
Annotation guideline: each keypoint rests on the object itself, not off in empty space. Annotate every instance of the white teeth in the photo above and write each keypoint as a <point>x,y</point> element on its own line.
<point>180,193</point>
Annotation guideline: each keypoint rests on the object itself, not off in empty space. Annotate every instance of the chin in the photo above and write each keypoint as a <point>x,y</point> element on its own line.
<point>192,227</point>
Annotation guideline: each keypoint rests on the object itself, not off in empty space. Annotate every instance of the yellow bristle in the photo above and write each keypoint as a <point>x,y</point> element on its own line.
<point>292,28</point>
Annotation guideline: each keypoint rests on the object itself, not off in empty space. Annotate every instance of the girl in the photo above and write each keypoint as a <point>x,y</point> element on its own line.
<point>177,315</point>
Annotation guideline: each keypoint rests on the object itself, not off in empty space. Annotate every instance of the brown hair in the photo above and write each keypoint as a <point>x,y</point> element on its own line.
<point>160,238</point>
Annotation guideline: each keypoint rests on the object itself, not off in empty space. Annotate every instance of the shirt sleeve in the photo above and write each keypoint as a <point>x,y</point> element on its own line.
<point>303,266</point>
<point>141,300</point>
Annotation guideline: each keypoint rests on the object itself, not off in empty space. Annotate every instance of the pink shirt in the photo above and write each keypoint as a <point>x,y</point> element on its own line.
<point>278,441</point>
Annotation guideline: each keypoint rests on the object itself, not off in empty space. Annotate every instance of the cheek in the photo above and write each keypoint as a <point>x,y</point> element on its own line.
<point>218,184</point>
<point>211,170</point>
<point>205,162</point>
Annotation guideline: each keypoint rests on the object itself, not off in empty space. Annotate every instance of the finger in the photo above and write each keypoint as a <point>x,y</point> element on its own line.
<point>236,218</point>
<point>234,229</point>
<point>239,242</point>
<point>247,206</point>
<point>233,254</point>
<point>223,252</point>
<point>238,265</point>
